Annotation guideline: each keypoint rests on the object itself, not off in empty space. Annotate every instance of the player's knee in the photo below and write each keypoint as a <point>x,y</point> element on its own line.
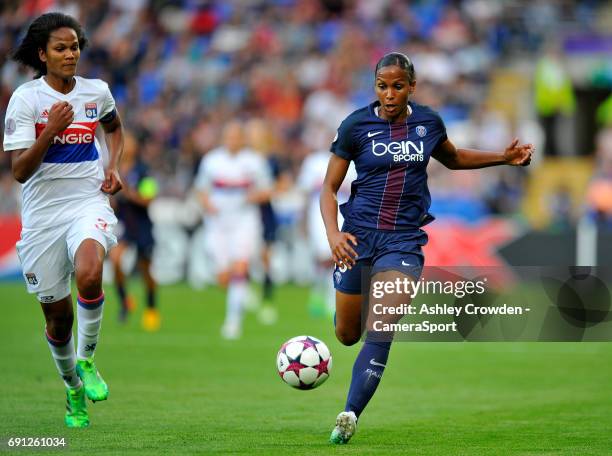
<point>347,337</point>
<point>89,281</point>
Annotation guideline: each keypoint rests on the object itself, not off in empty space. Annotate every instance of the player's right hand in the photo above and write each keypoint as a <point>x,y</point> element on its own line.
<point>61,116</point>
<point>343,252</point>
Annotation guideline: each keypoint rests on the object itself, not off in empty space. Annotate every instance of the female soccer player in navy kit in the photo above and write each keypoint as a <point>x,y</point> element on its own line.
<point>51,131</point>
<point>391,142</point>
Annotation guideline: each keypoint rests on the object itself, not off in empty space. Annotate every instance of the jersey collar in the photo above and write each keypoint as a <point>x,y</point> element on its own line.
<point>74,89</point>
<point>376,105</point>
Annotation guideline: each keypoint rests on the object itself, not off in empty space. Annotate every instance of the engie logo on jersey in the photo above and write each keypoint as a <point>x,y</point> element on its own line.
<point>91,110</point>
<point>76,133</point>
<point>401,150</point>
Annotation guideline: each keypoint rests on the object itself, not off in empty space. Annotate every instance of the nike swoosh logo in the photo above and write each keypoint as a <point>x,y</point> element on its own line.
<point>405,264</point>
<point>370,134</point>
<point>374,363</point>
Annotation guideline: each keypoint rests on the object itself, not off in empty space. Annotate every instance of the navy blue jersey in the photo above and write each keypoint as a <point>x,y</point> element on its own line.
<point>390,192</point>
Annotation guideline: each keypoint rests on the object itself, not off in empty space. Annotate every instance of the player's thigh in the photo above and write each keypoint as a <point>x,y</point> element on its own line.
<point>240,269</point>
<point>385,297</point>
<point>45,263</point>
<point>348,317</point>
<point>399,261</point>
<point>89,255</point>
<point>245,242</point>
<point>116,253</point>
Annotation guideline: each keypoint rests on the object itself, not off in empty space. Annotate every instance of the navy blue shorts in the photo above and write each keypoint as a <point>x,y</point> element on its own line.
<point>382,251</point>
<point>143,242</point>
<point>269,223</point>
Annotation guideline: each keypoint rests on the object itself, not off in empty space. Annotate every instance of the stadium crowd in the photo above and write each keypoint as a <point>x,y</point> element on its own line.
<point>180,69</point>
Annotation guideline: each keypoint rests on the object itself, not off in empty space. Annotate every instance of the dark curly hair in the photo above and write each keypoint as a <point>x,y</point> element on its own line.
<point>399,59</point>
<point>37,38</point>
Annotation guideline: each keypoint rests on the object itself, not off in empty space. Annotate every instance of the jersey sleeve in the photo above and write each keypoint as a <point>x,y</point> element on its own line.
<point>108,104</point>
<point>343,145</point>
<point>19,124</point>
<point>442,137</point>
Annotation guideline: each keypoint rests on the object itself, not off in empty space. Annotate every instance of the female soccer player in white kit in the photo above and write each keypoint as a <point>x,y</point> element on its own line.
<point>67,223</point>
<point>232,180</point>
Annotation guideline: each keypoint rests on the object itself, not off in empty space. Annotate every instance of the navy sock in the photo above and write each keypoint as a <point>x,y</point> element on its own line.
<point>268,287</point>
<point>122,294</point>
<point>367,372</point>
<point>150,299</point>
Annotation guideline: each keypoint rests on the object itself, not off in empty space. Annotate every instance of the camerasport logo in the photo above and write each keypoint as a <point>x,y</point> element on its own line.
<point>76,133</point>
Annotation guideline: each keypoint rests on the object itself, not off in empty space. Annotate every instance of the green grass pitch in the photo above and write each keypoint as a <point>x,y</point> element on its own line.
<point>185,391</point>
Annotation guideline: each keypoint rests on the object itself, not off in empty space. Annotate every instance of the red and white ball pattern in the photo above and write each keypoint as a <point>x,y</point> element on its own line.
<point>304,362</point>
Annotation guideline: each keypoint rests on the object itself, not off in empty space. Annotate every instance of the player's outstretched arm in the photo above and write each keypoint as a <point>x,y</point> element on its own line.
<point>342,251</point>
<point>515,154</point>
<point>113,130</point>
<point>25,162</point>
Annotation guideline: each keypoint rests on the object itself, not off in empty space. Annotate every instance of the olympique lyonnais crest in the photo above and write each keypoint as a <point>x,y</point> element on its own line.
<point>421,131</point>
<point>91,110</point>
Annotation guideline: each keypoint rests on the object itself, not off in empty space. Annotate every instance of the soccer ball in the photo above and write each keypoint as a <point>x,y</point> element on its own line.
<point>304,362</point>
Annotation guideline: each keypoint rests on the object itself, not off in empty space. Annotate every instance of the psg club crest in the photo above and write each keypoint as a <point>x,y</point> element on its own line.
<point>421,131</point>
<point>91,110</point>
<point>338,277</point>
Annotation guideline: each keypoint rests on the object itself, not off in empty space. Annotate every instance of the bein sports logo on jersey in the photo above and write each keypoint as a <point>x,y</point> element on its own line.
<point>401,150</point>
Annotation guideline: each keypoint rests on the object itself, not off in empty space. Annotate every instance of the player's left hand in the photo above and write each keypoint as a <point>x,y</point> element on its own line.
<point>518,154</point>
<point>112,181</point>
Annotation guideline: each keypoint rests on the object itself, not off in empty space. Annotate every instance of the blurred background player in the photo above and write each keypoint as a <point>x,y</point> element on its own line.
<point>131,207</point>
<point>260,140</point>
<point>231,182</point>
<point>322,297</point>
<point>50,131</point>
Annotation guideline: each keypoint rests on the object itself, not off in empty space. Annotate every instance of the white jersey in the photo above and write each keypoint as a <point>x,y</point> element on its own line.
<point>71,171</point>
<point>228,179</point>
<point>310,181</point>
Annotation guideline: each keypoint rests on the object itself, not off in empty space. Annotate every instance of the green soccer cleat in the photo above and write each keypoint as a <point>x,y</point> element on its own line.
<point>346,425</point>
<point>96,388</point>
<point>76,409</point>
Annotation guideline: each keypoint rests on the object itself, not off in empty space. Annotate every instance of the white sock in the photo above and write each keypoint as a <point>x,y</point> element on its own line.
<point>65,359</point>
<point>237,292</point>
<point>89,318</point>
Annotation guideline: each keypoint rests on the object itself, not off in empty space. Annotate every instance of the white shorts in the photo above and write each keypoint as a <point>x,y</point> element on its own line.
<point>47,255</point>
<point>228,243</point>
<point>317,237</point>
